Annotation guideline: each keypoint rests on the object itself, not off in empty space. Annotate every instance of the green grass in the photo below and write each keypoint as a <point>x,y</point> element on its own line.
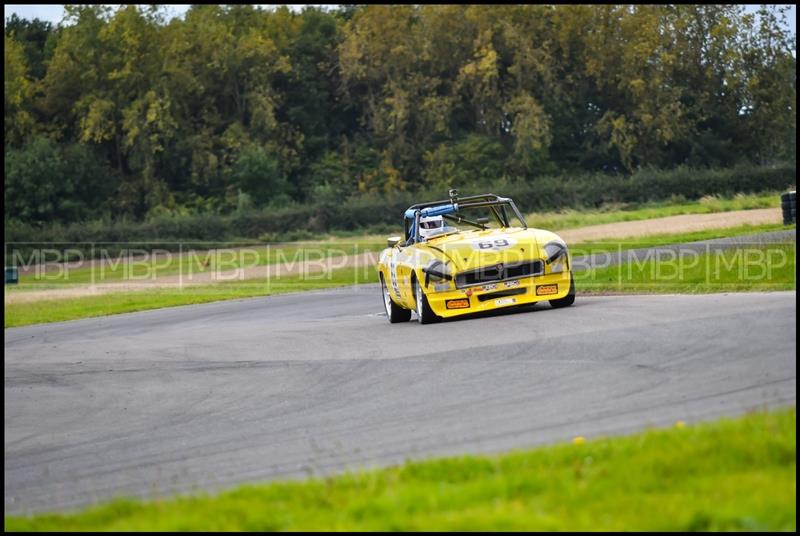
<point>754,268</point>
<point>612,213</point>
<point>56,310</point>
<point>732,474</point>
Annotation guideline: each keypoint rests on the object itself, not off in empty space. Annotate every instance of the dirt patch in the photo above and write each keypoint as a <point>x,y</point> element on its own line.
<point>685,223</point>
<point>629,229</point>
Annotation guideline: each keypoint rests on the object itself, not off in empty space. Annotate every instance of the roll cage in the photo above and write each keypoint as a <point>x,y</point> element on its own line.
<point>449,208</point>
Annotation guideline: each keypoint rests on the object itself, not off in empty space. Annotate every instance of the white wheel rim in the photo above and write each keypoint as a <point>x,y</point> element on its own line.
<point>387,300</point>
<point>419,299</point>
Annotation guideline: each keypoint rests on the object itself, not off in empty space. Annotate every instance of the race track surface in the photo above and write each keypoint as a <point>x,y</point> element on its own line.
<point>205,397</point>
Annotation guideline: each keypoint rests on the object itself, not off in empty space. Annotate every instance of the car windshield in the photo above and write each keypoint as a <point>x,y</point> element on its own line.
<point>475,213</point>
<point>477,218</point>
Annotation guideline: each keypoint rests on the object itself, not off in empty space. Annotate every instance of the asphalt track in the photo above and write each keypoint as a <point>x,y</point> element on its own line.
<point>209,396</point>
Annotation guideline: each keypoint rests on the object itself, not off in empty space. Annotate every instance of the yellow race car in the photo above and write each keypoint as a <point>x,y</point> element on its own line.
<point>471,254</point>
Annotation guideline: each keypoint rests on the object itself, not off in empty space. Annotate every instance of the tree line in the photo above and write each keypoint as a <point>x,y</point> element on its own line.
<point>123,114</point>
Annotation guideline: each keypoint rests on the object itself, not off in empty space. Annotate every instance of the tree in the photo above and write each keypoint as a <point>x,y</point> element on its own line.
<point>36,187</point>
<point>34,36</point>
<point>258,174</point>
<point>18,120</point>
<point>193,113</point>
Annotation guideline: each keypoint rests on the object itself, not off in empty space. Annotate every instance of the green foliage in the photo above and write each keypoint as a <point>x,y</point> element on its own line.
<point>18,91</point>
<point>332,177</point>
<point>48,183</point>
<point>35,182</point>
<point>259,174</point>
<point>475,161</point>
<point>731,474</point>
<point>234,107</point>
<point>331,212</point>
<point>34,36</point>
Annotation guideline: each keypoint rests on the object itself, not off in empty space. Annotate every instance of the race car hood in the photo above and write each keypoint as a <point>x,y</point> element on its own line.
<point>474,249</point>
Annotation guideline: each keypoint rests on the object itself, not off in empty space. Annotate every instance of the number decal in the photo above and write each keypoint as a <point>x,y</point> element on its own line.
<point>393,272</point>
<point>494,244</point>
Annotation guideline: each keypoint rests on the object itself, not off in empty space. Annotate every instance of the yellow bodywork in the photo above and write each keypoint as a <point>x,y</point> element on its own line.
<point>465,252</point>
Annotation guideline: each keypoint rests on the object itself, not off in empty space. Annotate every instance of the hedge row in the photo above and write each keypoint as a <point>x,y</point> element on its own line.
<point>545,193</point>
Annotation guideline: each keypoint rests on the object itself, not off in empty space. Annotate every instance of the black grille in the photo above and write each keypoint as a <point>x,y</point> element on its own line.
<point>498,272</point>
<point>501,294</point>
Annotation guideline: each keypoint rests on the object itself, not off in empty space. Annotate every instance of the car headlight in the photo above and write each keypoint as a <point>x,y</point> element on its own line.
<point>556,252</point>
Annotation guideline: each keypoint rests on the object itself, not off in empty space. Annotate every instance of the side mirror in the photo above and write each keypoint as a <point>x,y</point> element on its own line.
<point>392,241</point>
<point>482,221</point>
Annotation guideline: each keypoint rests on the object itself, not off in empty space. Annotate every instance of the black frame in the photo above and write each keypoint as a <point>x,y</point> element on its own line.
<point>473,201</point>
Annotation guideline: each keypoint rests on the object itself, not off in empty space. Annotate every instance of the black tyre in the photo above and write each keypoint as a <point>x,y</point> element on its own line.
<point>394,312</point>
<point>567,300</point>
<point>425,314</point>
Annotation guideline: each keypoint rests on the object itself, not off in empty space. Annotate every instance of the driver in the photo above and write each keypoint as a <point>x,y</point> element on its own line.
<point>430,226</point>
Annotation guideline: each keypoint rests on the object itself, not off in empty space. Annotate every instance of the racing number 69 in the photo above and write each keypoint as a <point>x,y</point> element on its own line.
<point>499,243</point>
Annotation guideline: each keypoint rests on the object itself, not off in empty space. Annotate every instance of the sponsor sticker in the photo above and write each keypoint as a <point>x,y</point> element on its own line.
<point>505,301</point>
<point>457,304</point>
<point>512,284</point>
<point>490,286</point>
<point>546,290</point>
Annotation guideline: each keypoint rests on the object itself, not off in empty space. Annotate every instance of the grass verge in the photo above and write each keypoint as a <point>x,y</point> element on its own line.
<point>770,267</point>
<point>732,474</point>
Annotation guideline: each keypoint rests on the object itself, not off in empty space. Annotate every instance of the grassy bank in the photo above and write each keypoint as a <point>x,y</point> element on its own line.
<point>755,268</point>
<point>733,474</point>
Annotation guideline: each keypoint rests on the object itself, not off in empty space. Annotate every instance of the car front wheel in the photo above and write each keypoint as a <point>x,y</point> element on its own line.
<point>567,300</point>
<point>394,312</point>
<point>425,314</point>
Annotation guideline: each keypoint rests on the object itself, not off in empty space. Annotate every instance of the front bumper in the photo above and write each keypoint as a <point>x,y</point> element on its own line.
<point>498,295</point>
